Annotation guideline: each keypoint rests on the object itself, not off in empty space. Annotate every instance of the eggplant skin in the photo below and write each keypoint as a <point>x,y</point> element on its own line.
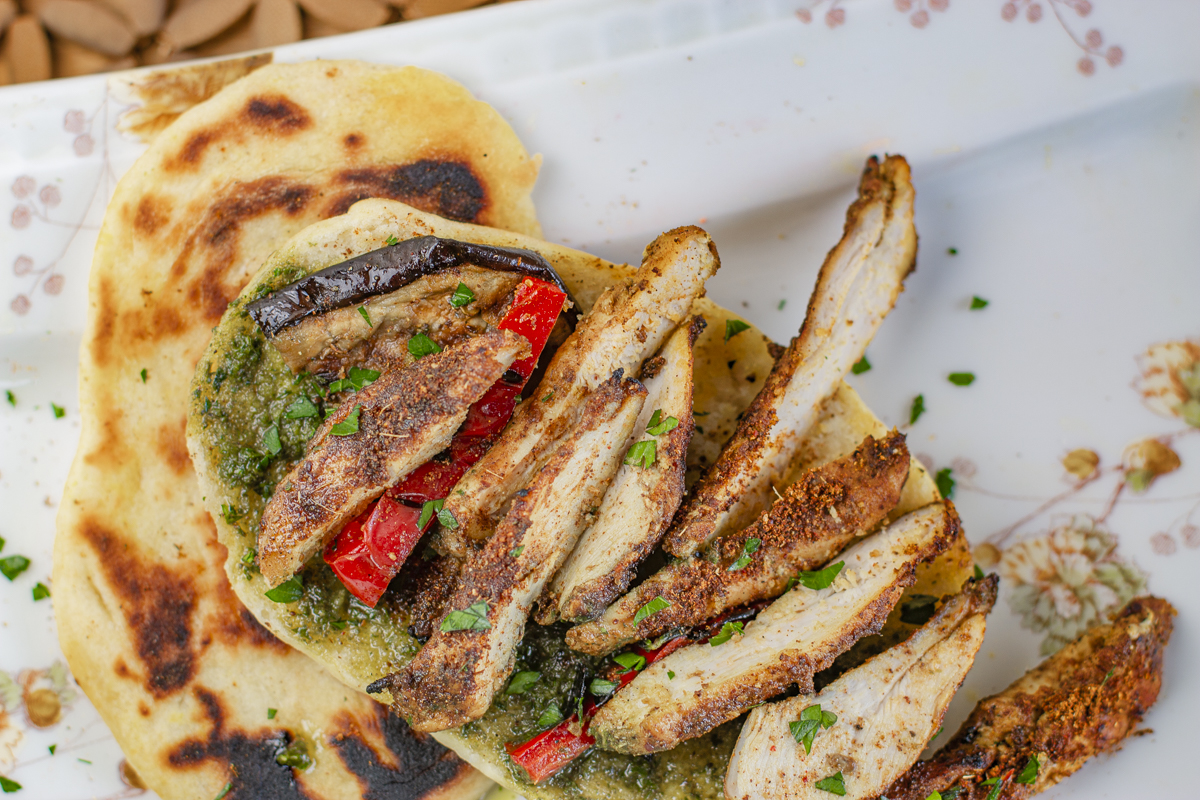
<point>386,270</point>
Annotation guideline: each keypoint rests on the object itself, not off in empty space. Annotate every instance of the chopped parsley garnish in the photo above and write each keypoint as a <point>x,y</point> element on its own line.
<point>650,609</point>
<point>462,295</point>
<point>12,566</point>
<point>391,241</point>
<point>224,790</point>
<point>428,509</point>
<point>8,786</point>
<point>84,761</point>
<point>733,327</point>
<point>231,513</point>
<point>357,379</point>
<point>997,787</point>
<point>821,578</point>
<point>447,519</point>
<point>978,302</point>
<point>918,610</point>
<point>366,315</point>
<point>52,748</point>
<point>289,591</point>
<point>659,426</point>
<point>631,661</point>
<point>271,441</point>
<point>516,551</point>
<point>670,675</point>
<point>271,712</point>
<point>945,483</point>
<point>1107,675</point>
<point>295,756</point>
<point>550,717</point>
<point>961,378</point>
<point>642,454</point>
<point>348,426</point>
<point>471,618</point>
<point>978,573</point>
<point>40,592</point>
<point>658,641</point>
<point>549,396</point>
<point>782,303</point>
<point>861,366</point>
<point>748,550</point>
<point>249,556</point>
<point>812,719</point>
<point>1029,772</point>
<point>144,374</point>
<point>12,398</point>
<point>602,688</point>
<point>421,346</point>
<point>727,632</point>
<point>918,408</point>
<point>522,681</point>
<point>59,411</point>
<point>301,408</point>
<point>952,251</point>
<point>834,784</point>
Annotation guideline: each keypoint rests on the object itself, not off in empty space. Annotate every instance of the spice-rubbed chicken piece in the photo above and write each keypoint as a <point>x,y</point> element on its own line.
<point>855,290</point>
<point>883,713</point>
<point>390,428</point>
<point>1083,700</point>
<point>638,507</point>
<point>627,324</point>
<point>454,677</point>
<point>817,516</point>
<point>795,637</point>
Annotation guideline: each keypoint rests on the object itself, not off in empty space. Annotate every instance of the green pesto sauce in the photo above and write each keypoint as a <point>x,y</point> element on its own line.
<point>243,388</point>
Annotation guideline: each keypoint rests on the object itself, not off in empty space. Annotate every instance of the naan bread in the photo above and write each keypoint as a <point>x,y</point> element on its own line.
<point>727,377</point>
<point>179,669</point>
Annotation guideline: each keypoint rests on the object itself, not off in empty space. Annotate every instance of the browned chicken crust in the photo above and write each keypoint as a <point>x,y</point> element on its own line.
<point>856,288</point>
<point>1081,701</point>
<point>455,676</point>
<point>404,418</point>
<point>817,516</point>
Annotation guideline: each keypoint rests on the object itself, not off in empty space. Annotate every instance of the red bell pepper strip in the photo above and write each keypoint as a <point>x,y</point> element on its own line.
<point>549,751</point>
<point>369,551</point>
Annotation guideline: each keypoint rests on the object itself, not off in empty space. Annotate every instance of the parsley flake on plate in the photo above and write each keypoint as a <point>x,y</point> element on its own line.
<point>471,618</point>
<point>12,398</point>
<point>271,712</point>
<point>602,688</point>
<point>727,632</point>
<point>12,566</point>
<point>631,661</point>
<point>522,682</point>
<point>812,720</point>
<point>550,717</point>
<point>918,408</point>
<point>428,509</point>
<point>40,592</point>
<point>733,327</point>
<point>1029,772</point>
<point>642,454</point>
<point>289,591</point>
<point>659,426</point>
<point>945,483</point>
<point>348,426</point>
<point>650,609</point>
<point>391,241</point>
<point>421,346</point>
<point>961,378</point>
<point>820,578</point>
<point>8,786</point>
<point>861,366</point>
<point>516,551</point>
<point>834,784</point>
<point>978,302</point>
<point>59,411</point>
<point>748,550</point>
<point>462,296</point>
<point>144,374</point>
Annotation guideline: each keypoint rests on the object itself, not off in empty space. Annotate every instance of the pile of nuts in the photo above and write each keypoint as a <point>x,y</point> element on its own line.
<point>63,38</point>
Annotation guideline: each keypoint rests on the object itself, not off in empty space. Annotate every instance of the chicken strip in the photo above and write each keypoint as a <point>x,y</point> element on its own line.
<point>818,516</point>
<point>454,677</point>
<point>700,686</point>
<point>377,436</point>
<point>1083,700</point>
<point>627,324</point>
<point>639,505</point>
<point>869,725</point>
<point>856,288</point>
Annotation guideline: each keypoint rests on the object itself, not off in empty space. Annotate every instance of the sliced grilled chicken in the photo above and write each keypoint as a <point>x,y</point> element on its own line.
<point>638,507</point>
<point>855,290</point>
<point>627,324</point>
<point>454,677</point>
<point>817,516</point>
<point>798,635</point>
<point>1083,700</point>
<point>884,712</point>
<point>403,419</point>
